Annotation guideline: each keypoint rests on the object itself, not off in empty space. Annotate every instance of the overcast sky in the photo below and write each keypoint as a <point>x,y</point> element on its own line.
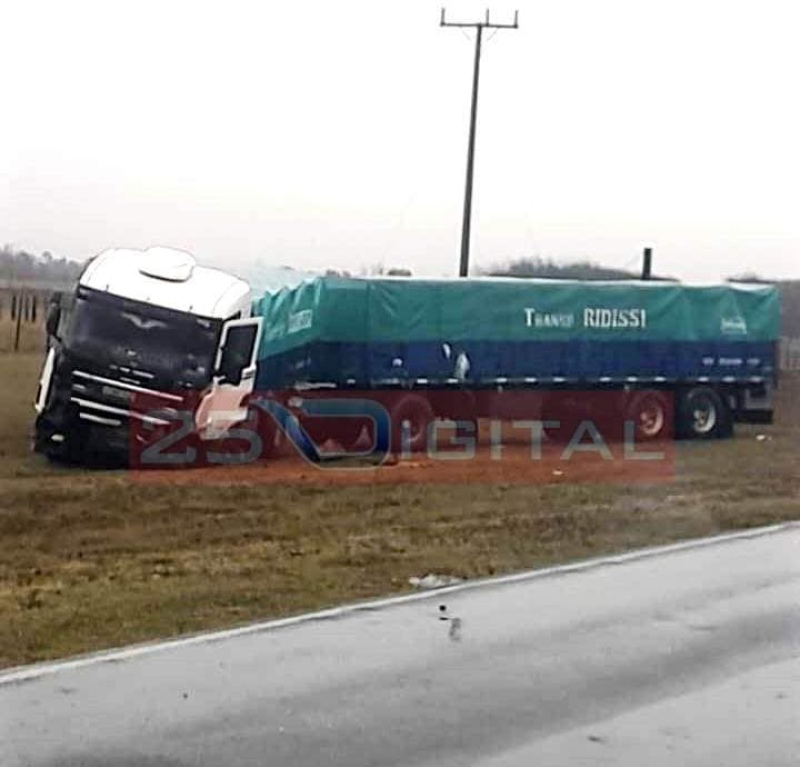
<point>333,134</point>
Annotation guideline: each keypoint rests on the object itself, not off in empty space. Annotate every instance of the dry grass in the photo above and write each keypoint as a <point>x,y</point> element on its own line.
<point>92,560</point>
<point>31,335</point>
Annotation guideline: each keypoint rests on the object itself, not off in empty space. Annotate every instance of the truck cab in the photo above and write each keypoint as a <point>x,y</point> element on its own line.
<point>147,337</point>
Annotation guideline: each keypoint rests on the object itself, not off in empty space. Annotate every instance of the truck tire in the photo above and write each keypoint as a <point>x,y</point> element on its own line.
<point>411,416</point>
<point>703,414</point>
<point>651,415</point>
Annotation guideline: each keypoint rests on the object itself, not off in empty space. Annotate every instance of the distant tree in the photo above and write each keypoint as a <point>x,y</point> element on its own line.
<point>380,270</point>
<point>19,265</point>
<point>549,269</point>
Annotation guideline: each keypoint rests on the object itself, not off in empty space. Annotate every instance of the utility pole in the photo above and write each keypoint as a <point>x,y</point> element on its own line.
<point>647,264</point>
<point>467,219</point>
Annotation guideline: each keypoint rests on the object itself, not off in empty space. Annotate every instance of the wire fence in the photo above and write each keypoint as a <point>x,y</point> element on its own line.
<point>22,316</point>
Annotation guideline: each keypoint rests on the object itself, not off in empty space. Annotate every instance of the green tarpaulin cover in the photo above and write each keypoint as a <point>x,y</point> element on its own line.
<point>379,310</point>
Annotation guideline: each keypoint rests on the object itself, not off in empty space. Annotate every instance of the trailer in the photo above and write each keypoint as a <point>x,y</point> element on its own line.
<point>689,360</point>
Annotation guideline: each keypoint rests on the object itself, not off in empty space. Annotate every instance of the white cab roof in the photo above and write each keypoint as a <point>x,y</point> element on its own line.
<point>169,278</point>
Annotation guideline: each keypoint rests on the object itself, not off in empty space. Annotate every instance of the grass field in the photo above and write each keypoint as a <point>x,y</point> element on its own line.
<point>90,560</point>
<point>31,335</point>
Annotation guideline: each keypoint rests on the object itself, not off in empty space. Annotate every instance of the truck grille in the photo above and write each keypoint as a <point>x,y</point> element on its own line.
<point>111,402</point>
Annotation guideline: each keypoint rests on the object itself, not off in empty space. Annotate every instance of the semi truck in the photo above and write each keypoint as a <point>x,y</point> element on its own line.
<point>155,327</point>
<point>140,326</point>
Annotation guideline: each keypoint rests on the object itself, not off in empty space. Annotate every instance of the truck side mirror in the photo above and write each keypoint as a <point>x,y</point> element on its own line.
<point>53,315</point>
<point>237,353</point>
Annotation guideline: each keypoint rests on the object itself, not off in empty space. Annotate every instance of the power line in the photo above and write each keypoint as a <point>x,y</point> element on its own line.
<point>479,26</point>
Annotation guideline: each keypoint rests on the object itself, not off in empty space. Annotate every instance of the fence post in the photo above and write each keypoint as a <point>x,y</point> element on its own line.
<point>19,321</point>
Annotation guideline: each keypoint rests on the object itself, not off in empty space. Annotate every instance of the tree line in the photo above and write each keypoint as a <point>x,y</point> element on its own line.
<point>547,268</point>
<point>20,266</point>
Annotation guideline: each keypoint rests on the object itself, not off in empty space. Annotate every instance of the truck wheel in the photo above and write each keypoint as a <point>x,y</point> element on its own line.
<point>651,415</point>
<point>54,454</point>
<point>704,415</point>
<point>411,415</point>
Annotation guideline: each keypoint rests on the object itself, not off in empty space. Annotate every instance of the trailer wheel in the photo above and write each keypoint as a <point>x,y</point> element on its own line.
<point>411,415</point>
<point>651,415</point>
<point>704,415</point>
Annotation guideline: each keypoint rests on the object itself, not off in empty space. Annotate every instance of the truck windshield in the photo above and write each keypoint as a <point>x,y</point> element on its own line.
<point>166,343</point>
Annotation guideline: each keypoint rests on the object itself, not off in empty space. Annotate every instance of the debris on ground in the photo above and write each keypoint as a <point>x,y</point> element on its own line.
<point>433,581</point>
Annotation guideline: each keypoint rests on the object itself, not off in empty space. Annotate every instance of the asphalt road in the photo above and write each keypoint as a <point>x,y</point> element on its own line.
<point>687,656</point>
